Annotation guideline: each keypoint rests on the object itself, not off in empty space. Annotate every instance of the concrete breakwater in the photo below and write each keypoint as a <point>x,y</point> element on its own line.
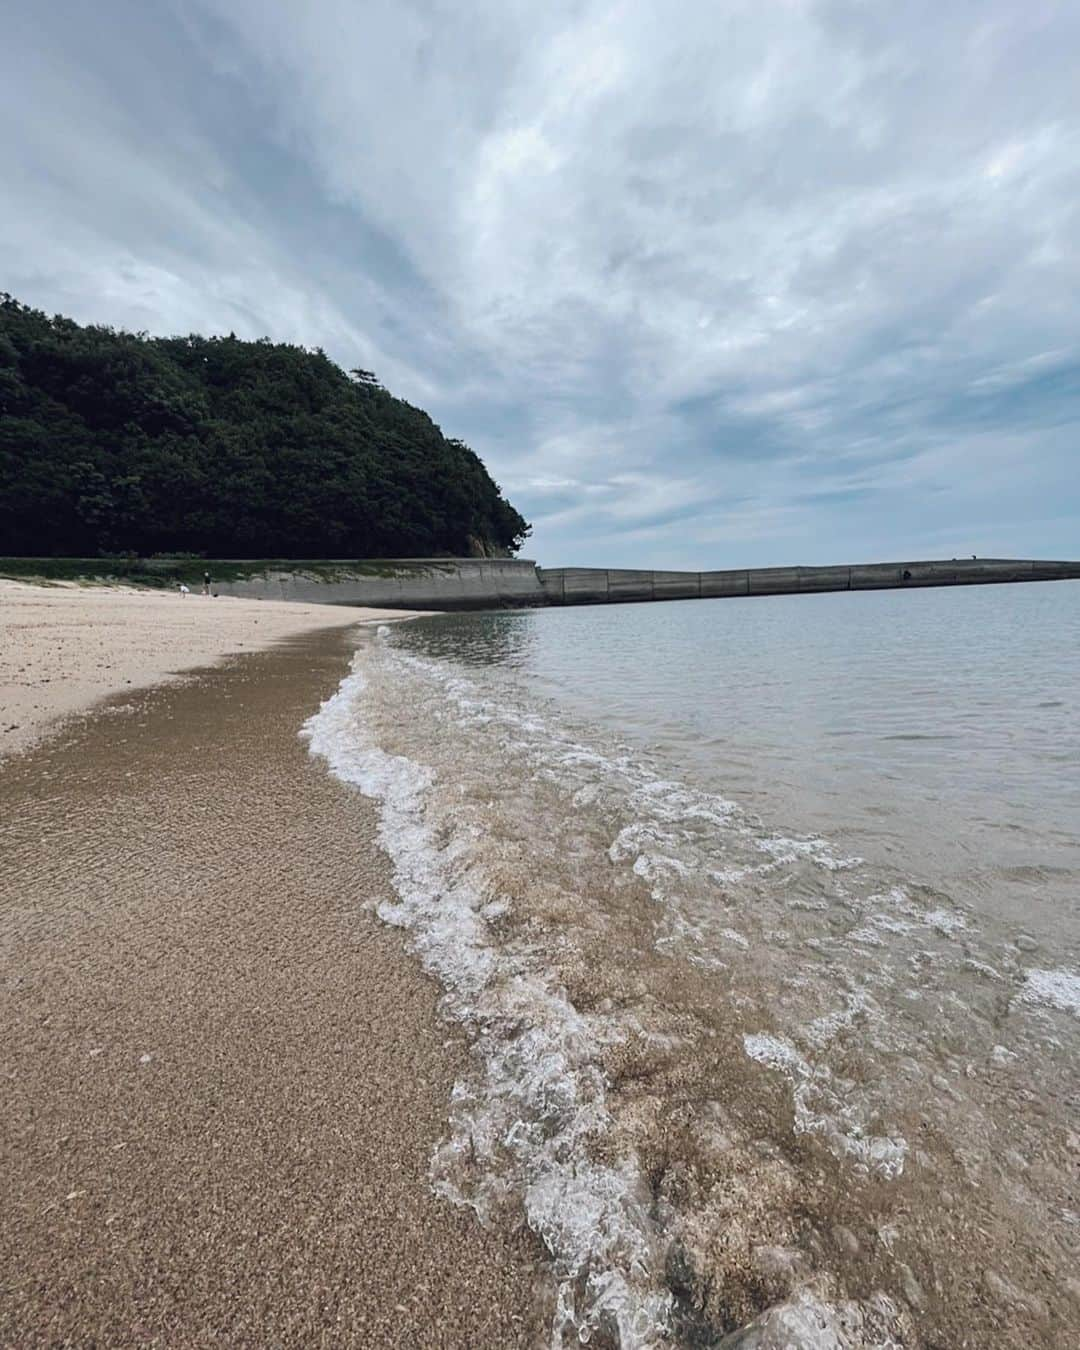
<point>492,583</point>
<point>594,585</point>
<point>505,583</point>
<point>405,583</point>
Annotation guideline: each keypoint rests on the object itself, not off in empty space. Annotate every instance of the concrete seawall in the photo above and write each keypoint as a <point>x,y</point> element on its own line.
<point>493,583</point>
<point>405,583</point>
<point>596,585</point>
<point>504,583</point>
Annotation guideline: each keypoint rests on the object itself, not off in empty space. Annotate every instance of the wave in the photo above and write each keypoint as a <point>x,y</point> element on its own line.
<point>520,1127</point>
<point>722,1070</point>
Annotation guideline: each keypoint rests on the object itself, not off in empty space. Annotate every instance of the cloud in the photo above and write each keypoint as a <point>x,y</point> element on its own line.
<point>767,282</point>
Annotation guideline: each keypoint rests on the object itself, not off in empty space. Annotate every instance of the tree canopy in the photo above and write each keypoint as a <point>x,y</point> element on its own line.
<point>114,442</point>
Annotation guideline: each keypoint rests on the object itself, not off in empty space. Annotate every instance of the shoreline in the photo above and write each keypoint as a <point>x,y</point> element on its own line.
<point>793,1087</point>
<point>65,647</point>
<point>225,1075</point>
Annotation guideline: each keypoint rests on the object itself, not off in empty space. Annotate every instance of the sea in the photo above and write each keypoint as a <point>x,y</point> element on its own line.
<point>762,918</point>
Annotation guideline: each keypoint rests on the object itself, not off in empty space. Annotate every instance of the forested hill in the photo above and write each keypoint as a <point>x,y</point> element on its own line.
<point>114,442</point>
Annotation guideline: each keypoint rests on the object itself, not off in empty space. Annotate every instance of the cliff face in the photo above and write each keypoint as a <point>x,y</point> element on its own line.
<point>115,442</point>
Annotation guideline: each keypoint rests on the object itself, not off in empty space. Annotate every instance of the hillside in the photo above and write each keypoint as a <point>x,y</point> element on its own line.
<point>115,442</point>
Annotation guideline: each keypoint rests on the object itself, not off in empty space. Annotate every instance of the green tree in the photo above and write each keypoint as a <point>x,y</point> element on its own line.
<point>113,441</point>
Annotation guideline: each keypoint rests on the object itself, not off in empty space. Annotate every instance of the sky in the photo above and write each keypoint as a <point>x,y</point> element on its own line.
<point>705,283</point>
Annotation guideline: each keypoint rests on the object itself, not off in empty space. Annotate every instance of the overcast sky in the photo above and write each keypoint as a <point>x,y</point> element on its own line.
<point>704,282</point>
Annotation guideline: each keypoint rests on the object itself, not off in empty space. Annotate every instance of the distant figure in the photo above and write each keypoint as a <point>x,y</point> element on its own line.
<point>206,583</point>
<point>973,557</point>
<point>183,591</point>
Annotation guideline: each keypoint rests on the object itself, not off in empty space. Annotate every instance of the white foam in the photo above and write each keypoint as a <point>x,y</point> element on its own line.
<point>640,837</point>
<point>948,922</point>
<point>807,1322</point>
<point>526,790</point>
<point>822,1031</point>
<point>1058,988</point>
<point>527,1117</point>
<point>981,968</point>
<point>820,1109</point>
<point>817,851</point>
<point>886,922</point>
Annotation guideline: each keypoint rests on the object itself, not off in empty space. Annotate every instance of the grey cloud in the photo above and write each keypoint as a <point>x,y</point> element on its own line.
<point>705,285</point>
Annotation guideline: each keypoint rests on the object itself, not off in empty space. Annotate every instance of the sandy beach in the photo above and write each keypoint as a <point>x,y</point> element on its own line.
<point>64,646</point>
<point>224,1077</point>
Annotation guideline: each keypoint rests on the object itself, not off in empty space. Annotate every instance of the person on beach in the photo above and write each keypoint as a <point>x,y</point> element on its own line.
<point>206,583</point>
<point>183,591</point>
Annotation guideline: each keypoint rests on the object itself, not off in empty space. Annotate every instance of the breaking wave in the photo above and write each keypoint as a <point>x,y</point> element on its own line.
<point>747,1090</point>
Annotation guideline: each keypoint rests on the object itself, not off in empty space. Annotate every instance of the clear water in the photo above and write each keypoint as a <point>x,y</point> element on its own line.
<point>936,730</point>
<point>764,917</point>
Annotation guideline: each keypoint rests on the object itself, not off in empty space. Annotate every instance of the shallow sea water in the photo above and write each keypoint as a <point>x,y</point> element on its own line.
<point>763,917</point>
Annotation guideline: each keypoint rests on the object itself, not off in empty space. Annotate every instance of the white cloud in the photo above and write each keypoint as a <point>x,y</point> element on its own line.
<point>649,256</point>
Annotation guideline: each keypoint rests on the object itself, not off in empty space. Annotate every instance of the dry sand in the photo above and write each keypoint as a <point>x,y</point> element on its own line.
<point>64,646</point>
<point>223,1076</point>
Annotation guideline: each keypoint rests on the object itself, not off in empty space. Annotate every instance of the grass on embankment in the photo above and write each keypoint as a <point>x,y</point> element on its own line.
<point>167,573</point>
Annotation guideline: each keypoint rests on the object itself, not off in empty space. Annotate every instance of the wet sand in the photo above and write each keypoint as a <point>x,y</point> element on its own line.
<point>223,1075</point>
<point>64,646</point>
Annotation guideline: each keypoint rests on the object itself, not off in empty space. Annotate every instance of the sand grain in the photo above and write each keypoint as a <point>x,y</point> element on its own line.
<point>223,1075</point>
<point>64,647</point>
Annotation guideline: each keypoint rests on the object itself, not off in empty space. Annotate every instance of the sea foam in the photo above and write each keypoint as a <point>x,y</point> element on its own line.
<point>665,998</point>
<point>528,1115</point>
